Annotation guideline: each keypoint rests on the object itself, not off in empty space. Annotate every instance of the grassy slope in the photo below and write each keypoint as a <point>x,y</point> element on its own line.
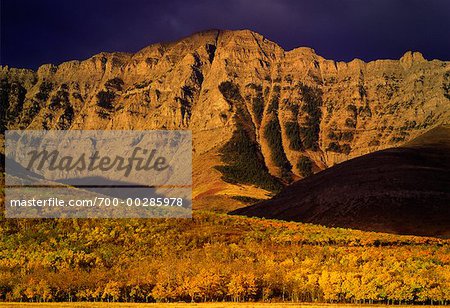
<point>400,190</point>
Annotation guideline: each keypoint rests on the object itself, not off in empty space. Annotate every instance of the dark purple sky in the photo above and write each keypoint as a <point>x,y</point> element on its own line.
<point>52,31</point>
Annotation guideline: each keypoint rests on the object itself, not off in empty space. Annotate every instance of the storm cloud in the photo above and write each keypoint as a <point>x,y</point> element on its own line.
<point>50,31</point>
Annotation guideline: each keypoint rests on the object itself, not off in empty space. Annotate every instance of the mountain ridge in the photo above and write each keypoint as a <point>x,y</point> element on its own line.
<point>299,109</point>
<point>408,55</point>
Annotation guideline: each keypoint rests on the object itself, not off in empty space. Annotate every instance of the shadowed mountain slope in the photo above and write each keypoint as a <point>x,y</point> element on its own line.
<point>402,190</point>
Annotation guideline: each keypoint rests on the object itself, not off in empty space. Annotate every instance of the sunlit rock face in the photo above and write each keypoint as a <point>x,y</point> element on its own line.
<point>294,105</point>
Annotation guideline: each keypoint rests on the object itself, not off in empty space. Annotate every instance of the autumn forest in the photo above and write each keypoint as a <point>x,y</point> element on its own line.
<point>216,257</point>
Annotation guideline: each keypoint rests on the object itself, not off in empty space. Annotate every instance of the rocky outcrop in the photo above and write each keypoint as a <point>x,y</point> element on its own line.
<point>302,113</point>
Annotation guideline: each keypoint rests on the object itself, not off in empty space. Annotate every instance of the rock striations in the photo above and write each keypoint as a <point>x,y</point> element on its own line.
<point>293,112</point>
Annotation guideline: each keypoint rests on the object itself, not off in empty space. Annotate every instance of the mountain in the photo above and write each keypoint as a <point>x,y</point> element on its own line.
<point>262,117</point>
<point>402,190</point>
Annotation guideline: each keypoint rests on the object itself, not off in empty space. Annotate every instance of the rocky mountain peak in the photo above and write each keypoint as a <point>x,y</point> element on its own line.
<point>297,111</point>
<point>411,57</point>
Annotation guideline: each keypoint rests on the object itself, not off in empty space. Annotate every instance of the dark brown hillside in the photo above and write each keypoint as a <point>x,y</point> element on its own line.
<point>403,190</point>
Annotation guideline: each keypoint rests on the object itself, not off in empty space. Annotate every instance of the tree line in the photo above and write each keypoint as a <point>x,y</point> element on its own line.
<point>216,257</point>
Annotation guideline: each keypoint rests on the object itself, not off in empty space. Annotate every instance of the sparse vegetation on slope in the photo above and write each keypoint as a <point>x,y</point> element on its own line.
<point>304,166</point>
<point>59,100</point>
<point>257,102</point>
<point>275,101</point>
<point>339,148</point>
<point>105,99</point>
<point>230,92</point>
<point>272,133</point>
<point>293,134</point>
<point>12,96</point>
<point>44,91</point>
<point>312,99</point>
<point>446,85</point>
<point>241,154</point>
<point>246,199</point>
<point>114,84</point>
<point>244,163</point>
